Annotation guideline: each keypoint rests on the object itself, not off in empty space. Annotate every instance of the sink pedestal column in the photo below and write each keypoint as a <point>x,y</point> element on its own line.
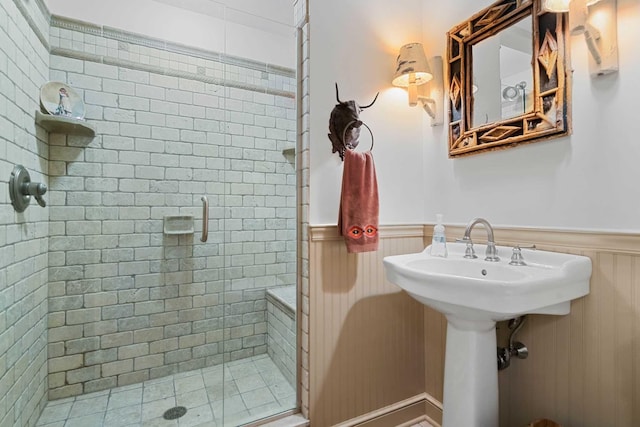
<point>470,374</point>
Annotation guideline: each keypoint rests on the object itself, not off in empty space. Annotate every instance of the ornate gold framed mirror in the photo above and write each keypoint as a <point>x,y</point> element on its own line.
<point>508,78</point>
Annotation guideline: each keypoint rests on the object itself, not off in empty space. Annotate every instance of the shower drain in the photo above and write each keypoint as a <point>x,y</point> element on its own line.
<point>174,413</point>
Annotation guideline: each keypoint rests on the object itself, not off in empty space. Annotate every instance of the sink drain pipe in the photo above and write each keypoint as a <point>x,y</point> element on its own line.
<point>516,348</point>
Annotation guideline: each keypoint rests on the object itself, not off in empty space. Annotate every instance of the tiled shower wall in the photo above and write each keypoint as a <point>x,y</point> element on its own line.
<point>127,302</point>
<point>24,63</point>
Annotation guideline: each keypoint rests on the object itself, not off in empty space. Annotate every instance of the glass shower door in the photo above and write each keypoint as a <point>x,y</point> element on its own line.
<point>259,221</point>
<point>137,299</point>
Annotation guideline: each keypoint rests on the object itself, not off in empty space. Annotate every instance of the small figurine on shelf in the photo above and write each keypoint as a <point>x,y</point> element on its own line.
<point>64,105</point>
<point>59,99</point>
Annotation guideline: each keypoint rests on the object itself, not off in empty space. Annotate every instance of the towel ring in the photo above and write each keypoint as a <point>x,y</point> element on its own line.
<point>346,128</point>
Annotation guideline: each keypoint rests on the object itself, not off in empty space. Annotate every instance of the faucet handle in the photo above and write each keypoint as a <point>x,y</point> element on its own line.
<point>492,252</point>
<point>516,256</point>
<point>469,252</point>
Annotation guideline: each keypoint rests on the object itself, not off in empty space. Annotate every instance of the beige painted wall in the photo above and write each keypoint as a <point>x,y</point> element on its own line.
<point>583,369</point>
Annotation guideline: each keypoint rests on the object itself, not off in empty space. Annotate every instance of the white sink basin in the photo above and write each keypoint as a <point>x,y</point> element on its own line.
<point>482,290</point>
<point>474,294</point>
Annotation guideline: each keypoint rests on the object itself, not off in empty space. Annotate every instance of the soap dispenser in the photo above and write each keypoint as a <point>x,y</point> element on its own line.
<point>439,241</point>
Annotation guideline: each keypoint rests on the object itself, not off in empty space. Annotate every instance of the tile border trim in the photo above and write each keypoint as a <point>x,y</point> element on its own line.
<point>152,42</point>
<point>107,60</point>
<point>129,37</point>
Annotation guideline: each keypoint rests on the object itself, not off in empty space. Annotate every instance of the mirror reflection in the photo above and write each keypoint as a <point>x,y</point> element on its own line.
<point>506,93</point>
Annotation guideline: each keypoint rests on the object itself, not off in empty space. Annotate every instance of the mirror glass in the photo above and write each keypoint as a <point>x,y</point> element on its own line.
<point>503,74</point>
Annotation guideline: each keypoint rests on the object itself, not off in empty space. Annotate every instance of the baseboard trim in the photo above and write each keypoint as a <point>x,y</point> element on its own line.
<point>421,407</point>
<point>420,420</point>
<point>414,421</point>
<point>433,410</point>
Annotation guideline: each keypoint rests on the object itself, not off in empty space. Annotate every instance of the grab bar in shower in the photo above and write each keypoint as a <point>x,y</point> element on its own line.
<point>205,219</point>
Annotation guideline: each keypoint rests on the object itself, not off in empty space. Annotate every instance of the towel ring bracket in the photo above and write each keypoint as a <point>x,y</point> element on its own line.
<point>347,127</point>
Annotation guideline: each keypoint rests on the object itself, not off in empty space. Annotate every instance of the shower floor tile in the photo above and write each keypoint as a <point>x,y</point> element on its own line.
<point>251,389</point>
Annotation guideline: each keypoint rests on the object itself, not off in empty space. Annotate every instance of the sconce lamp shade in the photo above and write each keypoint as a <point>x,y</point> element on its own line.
<point>412,70</point>
<point>411,66</point>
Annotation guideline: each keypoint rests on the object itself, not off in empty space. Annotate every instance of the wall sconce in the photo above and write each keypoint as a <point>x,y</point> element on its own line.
<point>597,20</point>
<point>424,83</point>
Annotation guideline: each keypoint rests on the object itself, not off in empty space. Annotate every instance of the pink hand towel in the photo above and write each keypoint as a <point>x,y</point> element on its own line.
<point>358,216</point>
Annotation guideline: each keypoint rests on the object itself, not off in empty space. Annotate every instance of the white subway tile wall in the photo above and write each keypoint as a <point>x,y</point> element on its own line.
<point>128,303</point>
<point>24,67</point>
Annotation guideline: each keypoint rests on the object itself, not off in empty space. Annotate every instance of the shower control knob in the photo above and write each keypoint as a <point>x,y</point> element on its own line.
<point>37,190</point>
<point>21,188</point>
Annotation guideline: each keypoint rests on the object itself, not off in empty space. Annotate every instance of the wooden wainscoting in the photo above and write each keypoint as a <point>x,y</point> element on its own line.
<point>583,369</point>
<point>372,347</point>
<point>366,335</point>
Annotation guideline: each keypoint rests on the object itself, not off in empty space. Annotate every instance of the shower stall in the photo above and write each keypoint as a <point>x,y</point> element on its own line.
<point>172,232</point>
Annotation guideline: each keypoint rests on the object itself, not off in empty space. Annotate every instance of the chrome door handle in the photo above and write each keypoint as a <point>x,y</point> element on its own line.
<point>205,219</point>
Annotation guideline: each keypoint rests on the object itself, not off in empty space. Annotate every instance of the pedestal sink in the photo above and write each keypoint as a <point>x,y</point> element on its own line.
<point>474,294</point>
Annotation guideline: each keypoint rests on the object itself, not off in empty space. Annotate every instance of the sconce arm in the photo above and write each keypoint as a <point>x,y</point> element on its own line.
<point>431,95</point>
<point>592,36</point>
<point>429,106</point>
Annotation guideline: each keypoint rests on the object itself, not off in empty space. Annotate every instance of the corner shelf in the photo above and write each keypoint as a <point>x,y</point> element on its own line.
<point>66,125</point>
<point>289,151</point>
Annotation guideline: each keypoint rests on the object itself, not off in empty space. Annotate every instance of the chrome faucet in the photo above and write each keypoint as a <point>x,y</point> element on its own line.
<point>491,254</point>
